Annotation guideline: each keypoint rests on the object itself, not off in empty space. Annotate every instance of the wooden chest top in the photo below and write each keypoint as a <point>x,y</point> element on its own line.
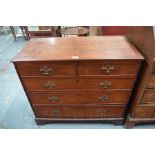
<point>78,48</point>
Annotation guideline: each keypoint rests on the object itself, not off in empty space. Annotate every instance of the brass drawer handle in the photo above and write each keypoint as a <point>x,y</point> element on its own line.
<point>104,98</point>
<point>100,112</point>
<point>105,84</point>
<point>46,70</point>
<point>49,85</point>
<point>108,68</point>
<point>55,112</point>
<point>53,98</point>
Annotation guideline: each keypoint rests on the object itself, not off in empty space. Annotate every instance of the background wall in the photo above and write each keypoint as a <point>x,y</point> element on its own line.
<point>114,30</point>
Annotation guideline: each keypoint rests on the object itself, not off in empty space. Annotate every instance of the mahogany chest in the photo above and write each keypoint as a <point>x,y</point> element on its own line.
<point>142,107</point>
<point>78,78</point>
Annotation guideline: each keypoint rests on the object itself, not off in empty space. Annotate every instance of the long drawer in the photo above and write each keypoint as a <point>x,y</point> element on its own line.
<point>145,111</point>
<point>108,68</point>
<point>105,97</point>
<point>49,83</point>
<point>47,111</point>
<point>46,68</point>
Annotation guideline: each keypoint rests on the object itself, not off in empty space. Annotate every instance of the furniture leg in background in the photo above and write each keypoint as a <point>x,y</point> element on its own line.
<point>24,32</point>
<point>43,31</point>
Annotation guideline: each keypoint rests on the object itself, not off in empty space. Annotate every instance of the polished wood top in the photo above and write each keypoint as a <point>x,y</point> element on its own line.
<point>78,48</point>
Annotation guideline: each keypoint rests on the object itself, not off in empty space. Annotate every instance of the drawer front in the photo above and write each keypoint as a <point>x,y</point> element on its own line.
<point>47,111</point>
<point>46,68</point>
<point>105,83</point>
<point>106,97</point>
<point>151,83</point>
<point>48,83</point>
<point>145,112</point>
<point>107,68</point>
<point>149,96</point>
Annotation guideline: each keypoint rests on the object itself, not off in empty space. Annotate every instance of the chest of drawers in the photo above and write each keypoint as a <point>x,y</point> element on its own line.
<point>78,79</point>
<point>142,109</point>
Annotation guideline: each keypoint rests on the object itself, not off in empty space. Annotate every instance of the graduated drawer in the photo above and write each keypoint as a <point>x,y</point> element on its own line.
<point>145,111</point>
<point>97,97</point>
<point>108,67</point>
<point>48,111</point>
<point>49,83</point>
<point>149,96</point>
<point>151,84</point>
<point>46,68</point>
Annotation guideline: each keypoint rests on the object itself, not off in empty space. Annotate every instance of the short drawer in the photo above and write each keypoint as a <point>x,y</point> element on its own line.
<point>47,111</point>
<point>145,111</point>
<point>108,68</point>
<point>106,97</point>
<point>46,68</point>
<point>149,96</point>
<point>151,84</point>
<point>49,83</point>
